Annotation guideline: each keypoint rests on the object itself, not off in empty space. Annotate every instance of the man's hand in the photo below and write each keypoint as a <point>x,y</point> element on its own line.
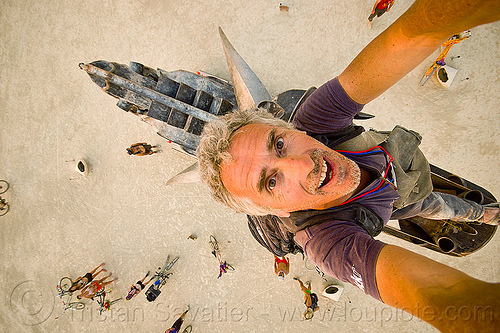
<point>440,295</point>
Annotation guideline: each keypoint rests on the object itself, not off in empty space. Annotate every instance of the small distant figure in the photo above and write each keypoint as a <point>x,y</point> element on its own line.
<point>137,288</point>
<point>310,300</point>
<point>93,288</point>
<point>142,149</point>
<point>284,8</point>
<point>4,206</point>
<point>82,281</point>
<point>281,267</point>
<point>3,203</point>
<point>380,7</point>
<point>176,327</point>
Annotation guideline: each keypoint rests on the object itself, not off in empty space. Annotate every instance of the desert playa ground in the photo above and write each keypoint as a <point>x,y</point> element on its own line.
<point>63,224</point>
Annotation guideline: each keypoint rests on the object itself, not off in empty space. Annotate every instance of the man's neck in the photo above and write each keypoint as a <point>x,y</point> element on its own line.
<point>366,179</point>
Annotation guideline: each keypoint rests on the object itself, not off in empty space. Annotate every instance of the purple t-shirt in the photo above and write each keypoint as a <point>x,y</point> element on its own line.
<point>343,249</point>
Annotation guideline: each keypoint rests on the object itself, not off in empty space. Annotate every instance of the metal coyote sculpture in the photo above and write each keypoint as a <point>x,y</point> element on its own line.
<point>179,103</point>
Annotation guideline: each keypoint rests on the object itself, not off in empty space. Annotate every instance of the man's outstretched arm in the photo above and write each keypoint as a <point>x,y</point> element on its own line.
<point>409,41</point>
<point>446,298</point>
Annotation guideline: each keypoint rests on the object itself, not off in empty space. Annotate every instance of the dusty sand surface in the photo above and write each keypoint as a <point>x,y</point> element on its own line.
<point>63,224</point>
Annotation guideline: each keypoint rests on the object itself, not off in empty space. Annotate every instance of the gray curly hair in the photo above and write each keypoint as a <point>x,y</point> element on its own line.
<point>213,151</point>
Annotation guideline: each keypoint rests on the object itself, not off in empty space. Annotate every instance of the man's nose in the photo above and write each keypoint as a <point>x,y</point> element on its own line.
<point>296,165</point>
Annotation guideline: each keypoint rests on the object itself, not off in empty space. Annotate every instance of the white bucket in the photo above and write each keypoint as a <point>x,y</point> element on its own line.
<point>445,75</point>
<point>333,292</point>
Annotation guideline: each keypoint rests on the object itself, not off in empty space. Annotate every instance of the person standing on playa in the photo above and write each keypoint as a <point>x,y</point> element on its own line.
<point>310,300</point>
<point>380,7</point>
<point>137,288</point>
<point>142,149</point>
<point>91,290</point>
<point>281,267</point>
<point>82,281</point>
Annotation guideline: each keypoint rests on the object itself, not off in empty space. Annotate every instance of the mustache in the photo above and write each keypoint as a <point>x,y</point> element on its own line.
<point>317,158</point>
<point>313,176</point>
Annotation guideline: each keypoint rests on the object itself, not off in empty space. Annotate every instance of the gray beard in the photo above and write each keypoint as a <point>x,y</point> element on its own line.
<point>352,179</point>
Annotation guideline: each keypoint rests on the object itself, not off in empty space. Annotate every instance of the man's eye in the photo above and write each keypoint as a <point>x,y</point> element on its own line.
<point>271,183</point>
<point>280,143</point>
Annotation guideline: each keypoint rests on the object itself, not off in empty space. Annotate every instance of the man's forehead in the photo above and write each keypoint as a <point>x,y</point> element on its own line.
<point>247,144</point>
<point>248,134</point>
<point>256,131</point>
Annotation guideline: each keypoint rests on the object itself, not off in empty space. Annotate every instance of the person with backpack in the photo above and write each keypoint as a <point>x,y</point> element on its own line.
<point>310,300</point>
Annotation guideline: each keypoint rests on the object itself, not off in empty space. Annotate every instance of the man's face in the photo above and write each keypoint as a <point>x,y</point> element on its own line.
<point>287,170</point>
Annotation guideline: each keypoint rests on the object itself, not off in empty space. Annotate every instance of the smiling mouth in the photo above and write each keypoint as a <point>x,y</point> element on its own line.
<point>326,174</point>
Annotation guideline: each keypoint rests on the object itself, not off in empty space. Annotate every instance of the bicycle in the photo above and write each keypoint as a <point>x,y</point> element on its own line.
<point>4,205</point>
<point>63,291</point>
<point>224,267</point>
<point>104,304</point>
<point>161,276</point>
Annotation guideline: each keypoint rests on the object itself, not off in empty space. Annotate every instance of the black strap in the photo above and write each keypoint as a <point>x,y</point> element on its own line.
<point>270,232</point>
<point>355,212</point>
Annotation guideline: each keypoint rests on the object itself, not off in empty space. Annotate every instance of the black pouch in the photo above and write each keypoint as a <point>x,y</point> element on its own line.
<point>270,232</point>
<point>152,293</point>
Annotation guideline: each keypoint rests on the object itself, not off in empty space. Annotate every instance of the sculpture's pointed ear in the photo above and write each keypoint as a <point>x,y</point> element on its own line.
<point>188,175</point>
<point>248,89</point>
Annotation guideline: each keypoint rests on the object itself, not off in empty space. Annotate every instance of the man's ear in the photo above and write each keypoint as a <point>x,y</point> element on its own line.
<point>281,213</point>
